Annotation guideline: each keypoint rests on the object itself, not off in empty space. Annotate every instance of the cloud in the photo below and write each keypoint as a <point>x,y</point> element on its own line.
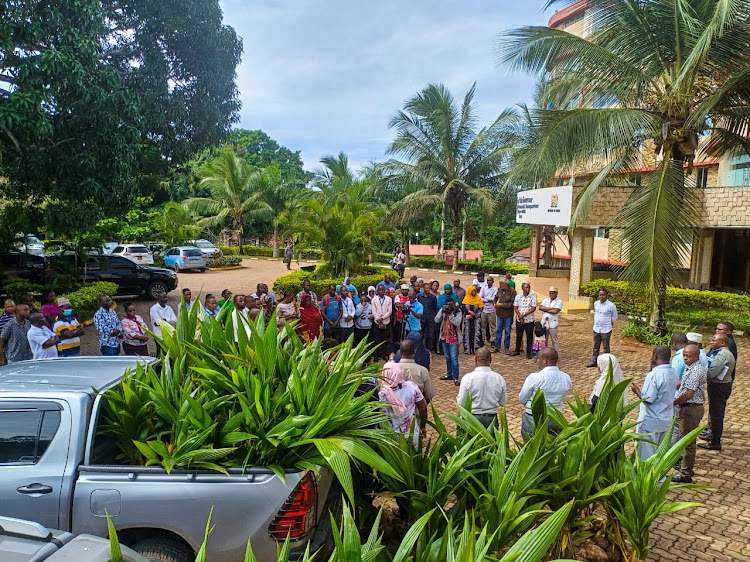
<point>324,77</point>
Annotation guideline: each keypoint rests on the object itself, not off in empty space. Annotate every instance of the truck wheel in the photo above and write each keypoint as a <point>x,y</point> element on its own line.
<point>202,270</point>
<point>155,288</point>
<point>164,550</point>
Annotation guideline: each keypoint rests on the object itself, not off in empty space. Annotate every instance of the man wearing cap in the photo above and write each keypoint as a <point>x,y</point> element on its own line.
<point>488,295</point>
<point>480,282</point>
<point>68,330</point>
<point>719,387</point>
<point>400,301</point>
<point>551,307</point>
<point>506,296</point>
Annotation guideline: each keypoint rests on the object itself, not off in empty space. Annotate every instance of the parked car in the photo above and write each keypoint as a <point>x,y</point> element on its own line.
<point>157,250</point>
<point>132,278</point>
<point>29,244</point>
<point>108,247</point>
<point>27,541</point>
<point>20,265</point>
<point>137,253</point>
<point>185,257</point>
<point>208,249</point>
<point>57,468</point>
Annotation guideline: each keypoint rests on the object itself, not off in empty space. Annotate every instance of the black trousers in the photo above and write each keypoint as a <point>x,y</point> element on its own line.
<point>330,333</point>
<point>342,334</point>
<point>361,334</point>
<point>601,340</point>
<point>528,329</point>
<point>428,333</point>
<point>381,340</point>
<point>718,394</point>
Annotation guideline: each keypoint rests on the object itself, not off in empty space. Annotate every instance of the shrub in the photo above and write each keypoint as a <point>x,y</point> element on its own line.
<point>319,283</point>
<point>498,268</point>
<point>226,261</point>
<point>247,250</point>
<point>85,300</point>
<point>685,307</point>
<point>310,254</point>
<point>16,288</point>
<point>643,334</point>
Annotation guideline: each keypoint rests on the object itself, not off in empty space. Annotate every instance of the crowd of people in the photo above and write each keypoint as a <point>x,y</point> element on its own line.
<point>410,320</point>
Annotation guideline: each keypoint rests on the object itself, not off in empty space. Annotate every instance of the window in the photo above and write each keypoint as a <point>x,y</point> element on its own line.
<point>120,263</point>
<point>26,434</point>
<point>601,233</point>
<point>138,250</point>
<point>192,253</point>
<point>701,180</point>
<point>117,250</point>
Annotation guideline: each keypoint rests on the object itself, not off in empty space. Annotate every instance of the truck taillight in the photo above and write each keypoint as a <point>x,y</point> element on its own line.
<point>126,253</point>
<point>296,517</point>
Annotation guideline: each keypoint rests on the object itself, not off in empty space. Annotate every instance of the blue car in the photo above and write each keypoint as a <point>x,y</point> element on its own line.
<point>185,257</point>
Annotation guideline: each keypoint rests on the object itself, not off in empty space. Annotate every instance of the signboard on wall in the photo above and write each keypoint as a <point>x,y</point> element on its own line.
<point>547,206</point>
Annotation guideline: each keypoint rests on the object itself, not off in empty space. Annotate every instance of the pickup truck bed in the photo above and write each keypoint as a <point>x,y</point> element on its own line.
<point>50,473</point>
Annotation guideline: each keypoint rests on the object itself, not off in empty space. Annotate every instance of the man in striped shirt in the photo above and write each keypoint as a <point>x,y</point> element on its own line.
<point>68,329</point>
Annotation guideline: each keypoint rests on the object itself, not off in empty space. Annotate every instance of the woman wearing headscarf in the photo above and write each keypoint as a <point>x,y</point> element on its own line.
<point>472,307</point>
<point>404,400</point>
<point>421,353</point>
<point>603,362</point>
<point>352,290</point>
<point>310,320</point>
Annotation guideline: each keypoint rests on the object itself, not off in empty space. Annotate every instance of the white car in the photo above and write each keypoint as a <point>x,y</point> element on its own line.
<point>207,248</point>
<point>108,248</point>
<point>137,253</point>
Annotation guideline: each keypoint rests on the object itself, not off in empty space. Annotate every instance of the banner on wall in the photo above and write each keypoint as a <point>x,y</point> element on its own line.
<point>547,206</point>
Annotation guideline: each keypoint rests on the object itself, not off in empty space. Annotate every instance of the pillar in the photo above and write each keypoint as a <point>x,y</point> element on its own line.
<point>581,259</point>
<point>536,242</point>
<point>701,256</point>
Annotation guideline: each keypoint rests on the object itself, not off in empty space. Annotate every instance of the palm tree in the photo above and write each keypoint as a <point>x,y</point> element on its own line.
<point>178,224</point>
<point>442,152</point>
<point>666,76</point>
<point>229,179</point>
<point>273,198</point>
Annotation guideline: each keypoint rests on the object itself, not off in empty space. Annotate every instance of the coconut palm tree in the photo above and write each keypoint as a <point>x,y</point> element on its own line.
<point>230,181</point>
<point>441,150</point>
<point>665,76</point>
<point>273,198</point>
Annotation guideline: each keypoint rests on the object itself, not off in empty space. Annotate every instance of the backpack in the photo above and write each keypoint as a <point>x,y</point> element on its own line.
<point>325,300</point>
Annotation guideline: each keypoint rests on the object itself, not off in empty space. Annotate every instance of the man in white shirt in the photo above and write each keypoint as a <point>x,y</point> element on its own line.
<point>382,307</point>
<point>554,383</point>
<point>480,282</point>
<point>605,314</point>
<point>657,409</point>
<point>161,311</point>
<point>489,315</point>
<point>42,340</point>
<point>551,307</point>
<point>485,387</point>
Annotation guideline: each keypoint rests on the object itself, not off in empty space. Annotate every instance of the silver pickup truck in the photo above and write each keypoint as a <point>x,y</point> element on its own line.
<point>56,470</point>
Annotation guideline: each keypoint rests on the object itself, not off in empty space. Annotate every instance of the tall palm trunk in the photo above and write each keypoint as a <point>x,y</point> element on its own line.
<point>275,240</point>
<point>463,237</point>
<point>456,228</point>
<point>441,249</point>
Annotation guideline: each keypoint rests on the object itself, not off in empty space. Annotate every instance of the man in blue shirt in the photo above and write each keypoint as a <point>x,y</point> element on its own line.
<point>657,409</point>
<point>679,341</point>
<point>330,306</point>
<point>413,313</point>
<point>387,283</point>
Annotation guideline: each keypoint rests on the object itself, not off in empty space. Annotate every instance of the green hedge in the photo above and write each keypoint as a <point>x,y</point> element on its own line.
<point>16,288</point>
<point>643,334</point>
<point>85,300</point>
<point>247,250</point>
<point>470,265</point>
<point>226,261</point>
<point>685,307</point>
<point>319,285</point>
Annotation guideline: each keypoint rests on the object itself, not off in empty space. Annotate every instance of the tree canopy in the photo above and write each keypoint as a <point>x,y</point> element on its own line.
<point>98,96</point>
<point>261,151</point>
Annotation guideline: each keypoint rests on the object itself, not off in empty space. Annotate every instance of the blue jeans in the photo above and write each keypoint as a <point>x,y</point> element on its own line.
<point>108,351</point>
<point>72,352</point>
<point>503,325</point>
<point>451,359</point>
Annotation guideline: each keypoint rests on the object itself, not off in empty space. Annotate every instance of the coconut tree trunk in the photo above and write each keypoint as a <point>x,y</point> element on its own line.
<point>456,228</point>
<point>275,240</point>
<point>441,249</point>
<point>405,236</point>
<point>463,237</point>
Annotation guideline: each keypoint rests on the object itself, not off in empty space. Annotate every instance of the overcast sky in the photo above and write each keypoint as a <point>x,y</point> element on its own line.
<point>327,76</point>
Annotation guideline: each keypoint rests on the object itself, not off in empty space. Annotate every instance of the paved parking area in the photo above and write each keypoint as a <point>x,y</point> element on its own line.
<point>720,531</point>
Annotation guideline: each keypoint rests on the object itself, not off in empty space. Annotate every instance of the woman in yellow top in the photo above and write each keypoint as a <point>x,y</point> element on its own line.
<point>472,306</point>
